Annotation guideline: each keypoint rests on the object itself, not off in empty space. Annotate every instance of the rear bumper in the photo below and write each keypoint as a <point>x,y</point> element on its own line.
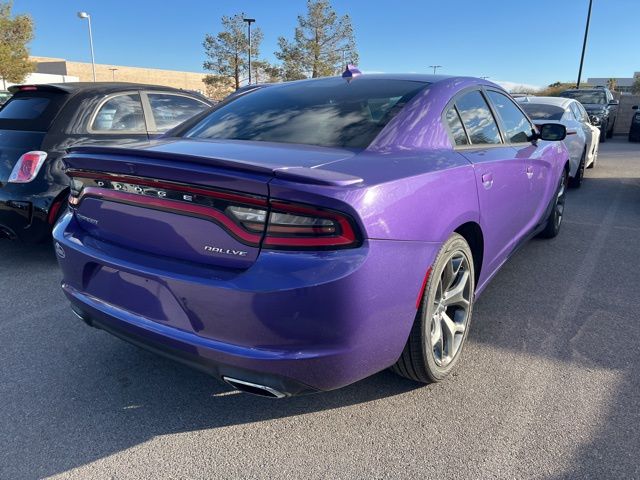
<point>296,322</point>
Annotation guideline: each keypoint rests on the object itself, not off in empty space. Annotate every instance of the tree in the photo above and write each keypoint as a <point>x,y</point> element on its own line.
<point>557,88</point>
<point>612,84</point>
<point>228,51</point>
<point>15,34</point>
<point>635,88</point>
<point>321,43</point>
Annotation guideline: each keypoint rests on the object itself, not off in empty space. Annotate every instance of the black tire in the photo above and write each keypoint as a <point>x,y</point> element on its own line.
<point>576,181</point>
<point>419,359</point>
<point>603,133</point>
<point>610,131</point>
<point>554,221</point>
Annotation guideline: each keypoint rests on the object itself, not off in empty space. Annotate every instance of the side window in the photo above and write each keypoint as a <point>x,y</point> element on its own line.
<point>576,111</point>
<point>122,113</point>
<point>584,116</point>
<point>171,110</point>
<point>570,113</point>
<point>517,126</point>
<point>455,125</point>
<point>477,119</point>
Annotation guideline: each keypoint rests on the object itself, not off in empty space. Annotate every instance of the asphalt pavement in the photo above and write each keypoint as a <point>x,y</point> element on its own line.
<point>549,386</point>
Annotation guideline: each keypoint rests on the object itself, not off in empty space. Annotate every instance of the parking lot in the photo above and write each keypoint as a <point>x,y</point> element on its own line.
<point>548,386</point>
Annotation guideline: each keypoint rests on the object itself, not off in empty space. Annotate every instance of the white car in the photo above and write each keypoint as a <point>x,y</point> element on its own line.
<point>582,138</point>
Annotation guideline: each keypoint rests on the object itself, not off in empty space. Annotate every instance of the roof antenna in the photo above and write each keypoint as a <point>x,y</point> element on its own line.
<point>351,72</point>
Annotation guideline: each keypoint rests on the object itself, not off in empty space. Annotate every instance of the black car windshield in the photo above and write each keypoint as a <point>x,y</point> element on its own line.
<point>541,111</point>
<point>329,112</point>
<point>597,97</point>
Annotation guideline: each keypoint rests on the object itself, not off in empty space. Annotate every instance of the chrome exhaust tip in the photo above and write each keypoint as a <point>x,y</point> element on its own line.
<point>253,388</point>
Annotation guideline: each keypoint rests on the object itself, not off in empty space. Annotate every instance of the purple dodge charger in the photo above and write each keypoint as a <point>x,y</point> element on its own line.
<point>306,235</point>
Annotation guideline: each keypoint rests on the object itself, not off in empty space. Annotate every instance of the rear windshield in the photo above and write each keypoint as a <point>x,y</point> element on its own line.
<point>597,97</point>
<point>31,110</point>
<point>542,111</point>
<point>329,112</point>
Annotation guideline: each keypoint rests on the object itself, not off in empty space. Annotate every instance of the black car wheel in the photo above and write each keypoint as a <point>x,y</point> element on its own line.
<point>552,227</point>
<point>610,131</point>
<point>603,132</point>
<point>576,181</point>
<point>442,323</point>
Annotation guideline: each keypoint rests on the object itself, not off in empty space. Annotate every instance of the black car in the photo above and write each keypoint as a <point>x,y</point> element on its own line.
<point>40,122</point>
<point>634,130</point>
<point>600,105</point>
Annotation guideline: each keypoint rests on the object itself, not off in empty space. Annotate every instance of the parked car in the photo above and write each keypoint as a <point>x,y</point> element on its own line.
<point>634,129</point>
<point>40,122</point>
<point>582,138</point>
<point>4,96</point>
<point>312,233</point>
<point>600,105</point>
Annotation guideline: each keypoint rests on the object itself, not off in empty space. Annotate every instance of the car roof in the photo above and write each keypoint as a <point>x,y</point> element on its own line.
<point>557,101</point>
<point>96,87</point>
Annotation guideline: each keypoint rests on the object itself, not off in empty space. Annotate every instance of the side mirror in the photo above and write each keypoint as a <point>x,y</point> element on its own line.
<point>635,107</point>
<point>552,132</point>
<point>614,102</point>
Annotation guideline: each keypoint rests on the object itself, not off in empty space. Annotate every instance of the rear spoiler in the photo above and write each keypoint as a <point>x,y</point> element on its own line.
<point>313,176</point>
<point>39,87</point>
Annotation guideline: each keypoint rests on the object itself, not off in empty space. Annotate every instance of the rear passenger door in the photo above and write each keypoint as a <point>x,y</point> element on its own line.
<point>501,176</point>
<point>538,167</point>
<point>166,110</point>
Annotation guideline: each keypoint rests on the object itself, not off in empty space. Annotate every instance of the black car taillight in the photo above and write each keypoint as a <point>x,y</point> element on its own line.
<point>250,219</point>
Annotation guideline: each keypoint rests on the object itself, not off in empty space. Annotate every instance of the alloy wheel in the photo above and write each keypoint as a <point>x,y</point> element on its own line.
<point>560,199</point>
<point>451,309</point>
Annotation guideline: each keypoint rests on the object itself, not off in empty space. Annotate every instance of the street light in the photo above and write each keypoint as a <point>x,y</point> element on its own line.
<point>93,60</point>
<point>435,67</point>
<point>584,43</point>
<point>113,73</point>
<point>249,22</point>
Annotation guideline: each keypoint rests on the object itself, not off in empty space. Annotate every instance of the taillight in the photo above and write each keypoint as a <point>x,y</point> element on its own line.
<point>250,219</point>
<point>27,167</point>
<point>298,226</point>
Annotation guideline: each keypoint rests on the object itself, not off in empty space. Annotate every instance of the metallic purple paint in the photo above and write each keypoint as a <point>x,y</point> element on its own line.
<point>299,321</point>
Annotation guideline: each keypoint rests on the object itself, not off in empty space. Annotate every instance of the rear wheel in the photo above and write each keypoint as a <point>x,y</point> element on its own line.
<point>442,323</point>
<point>576,181</point>
<point>610,131</point>
<point>552,227</point>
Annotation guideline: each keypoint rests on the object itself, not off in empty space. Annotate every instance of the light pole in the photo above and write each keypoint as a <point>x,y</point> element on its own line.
<point>249,22</point>
<point>93,60</point>
<point>113,73</point>
<point>584,43</point>
<point>435,67</point>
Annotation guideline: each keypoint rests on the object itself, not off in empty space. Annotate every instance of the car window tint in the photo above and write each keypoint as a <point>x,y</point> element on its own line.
<point>32,110</point>
<point>517,126</point>
<point>330,112</point>
<point>171,110</point>
<point>122,113</point>
<point>597,97</point>
<point>455,125</point>
<point>542,111</point>
<point>477,119</point>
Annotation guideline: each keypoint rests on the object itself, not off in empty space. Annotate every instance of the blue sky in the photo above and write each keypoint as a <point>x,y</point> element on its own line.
<point>530,42</point>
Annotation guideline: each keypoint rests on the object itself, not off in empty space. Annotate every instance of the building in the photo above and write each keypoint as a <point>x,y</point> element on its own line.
<point>38,78</point>
<point>105,73</point>
<point>623,85</point>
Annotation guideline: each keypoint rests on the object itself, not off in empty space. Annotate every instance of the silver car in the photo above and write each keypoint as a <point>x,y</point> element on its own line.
<point>582,138</point>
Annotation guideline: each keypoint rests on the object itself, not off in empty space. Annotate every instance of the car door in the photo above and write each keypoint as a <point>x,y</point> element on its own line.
<point>575,140</point>
<point>501,177</point>
<point>591,135</point>
<point>517,132</point>
<point>166,110</point>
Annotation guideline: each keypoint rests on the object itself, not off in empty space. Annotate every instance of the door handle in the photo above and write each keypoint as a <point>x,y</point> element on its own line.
<point>487,180</point>
<point>529,173</point>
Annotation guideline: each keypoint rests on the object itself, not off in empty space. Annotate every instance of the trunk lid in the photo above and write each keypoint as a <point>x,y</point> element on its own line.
<point>184,199</point>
